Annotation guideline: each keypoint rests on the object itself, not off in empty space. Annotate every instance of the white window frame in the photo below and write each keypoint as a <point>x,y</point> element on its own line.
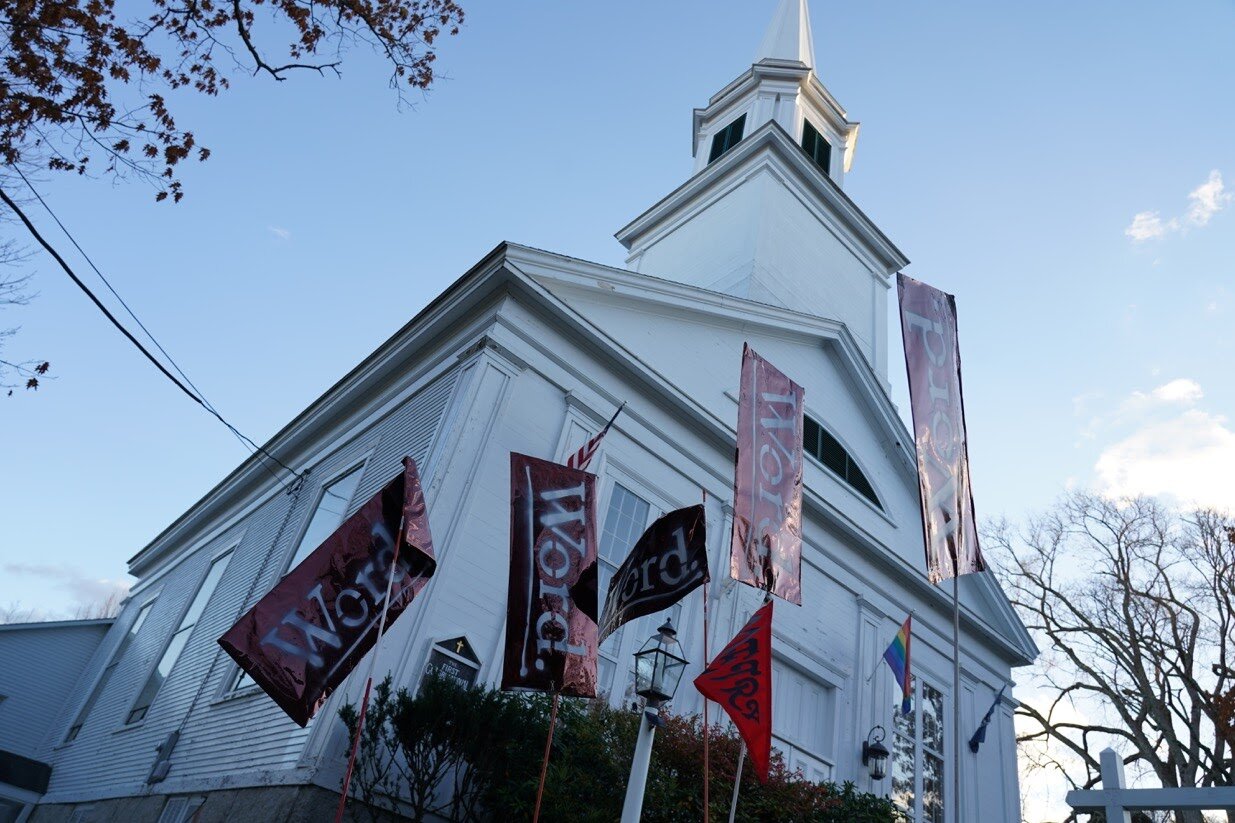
<point>920,748</point>
<point>791,745</point>
<point>182,808</point>
<point>850,451</point>
<point>613,472</point>
<point>227,552</point>
<point>361,465</point>
<point>234,684</point>
<point>113,662</point>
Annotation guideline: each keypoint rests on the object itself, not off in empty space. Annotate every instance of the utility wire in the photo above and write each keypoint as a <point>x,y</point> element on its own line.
<point>244,441</point>
<point>119,326</point>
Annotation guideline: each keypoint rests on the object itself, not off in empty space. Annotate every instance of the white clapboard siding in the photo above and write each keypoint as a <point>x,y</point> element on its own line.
<point>224,735</point>
<point>825,620</point>
<point>803,720</point>
<point>40,665</point>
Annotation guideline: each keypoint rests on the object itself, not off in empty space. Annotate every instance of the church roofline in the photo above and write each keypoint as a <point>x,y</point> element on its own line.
<point>248,485</point>
<point>726,307</point>
<point>773,139</point>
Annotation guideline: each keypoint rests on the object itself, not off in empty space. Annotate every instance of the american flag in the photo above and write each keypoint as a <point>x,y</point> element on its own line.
<point>581,458</point>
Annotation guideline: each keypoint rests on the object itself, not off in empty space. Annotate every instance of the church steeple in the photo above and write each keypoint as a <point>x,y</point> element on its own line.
<point>789,38</point>
<point>781,86</point>
<point>763,217</point>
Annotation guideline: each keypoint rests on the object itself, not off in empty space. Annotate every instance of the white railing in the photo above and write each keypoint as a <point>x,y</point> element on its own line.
<point>1118,801</point>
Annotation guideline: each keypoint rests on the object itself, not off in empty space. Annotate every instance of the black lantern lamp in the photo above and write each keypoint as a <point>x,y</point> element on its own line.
<point>659,666</point>
<point>875,754</point>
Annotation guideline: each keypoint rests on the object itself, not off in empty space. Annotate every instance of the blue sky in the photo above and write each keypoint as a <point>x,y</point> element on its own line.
<point>1008,150</point>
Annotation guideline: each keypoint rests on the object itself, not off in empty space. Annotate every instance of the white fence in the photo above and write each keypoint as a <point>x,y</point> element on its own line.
<point>1118,801</point>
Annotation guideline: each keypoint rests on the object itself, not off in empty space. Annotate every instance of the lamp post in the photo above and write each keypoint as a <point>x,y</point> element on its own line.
<point>658,670</point>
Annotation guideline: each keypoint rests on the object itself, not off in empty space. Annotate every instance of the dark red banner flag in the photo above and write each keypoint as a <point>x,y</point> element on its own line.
<point>668,561</point>
<point>551,606</point>
<point>300,640</point>
<point>740,680</point>
<point>933,360</point>
<point>766,550</point>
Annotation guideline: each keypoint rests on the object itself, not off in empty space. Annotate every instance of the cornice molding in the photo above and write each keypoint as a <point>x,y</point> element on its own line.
<point>769,147</point>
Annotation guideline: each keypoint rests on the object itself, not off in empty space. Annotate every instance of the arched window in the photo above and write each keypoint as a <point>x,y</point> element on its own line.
<point>825,448</point>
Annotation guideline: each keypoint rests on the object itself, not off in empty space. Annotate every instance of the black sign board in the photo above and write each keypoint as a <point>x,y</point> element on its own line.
<point>455,660</point>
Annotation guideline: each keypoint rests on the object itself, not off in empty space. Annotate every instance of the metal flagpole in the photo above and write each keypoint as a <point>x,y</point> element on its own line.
<point>544,764</point>
<point>707,773</point>
<point>737,782</point>
<point>737,779</point>
<point>956,693</point>
<point>364,704</point>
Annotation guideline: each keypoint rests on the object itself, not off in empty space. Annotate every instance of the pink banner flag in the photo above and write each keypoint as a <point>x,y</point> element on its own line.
<point>552,600</point>
<point>300,640</point>
<point>766,550</point>
<point>933,360</point>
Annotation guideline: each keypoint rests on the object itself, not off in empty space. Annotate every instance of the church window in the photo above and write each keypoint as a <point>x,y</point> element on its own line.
<point>125,641</point>
<point>820,444</point>
<point>178,640</point>
<point>918,755</point>
<point>331,506</point>
<point>625,520</point>
<point>804,722</point>
<point>815,146</point>
<point>327,516</point>
<point>727,138</point>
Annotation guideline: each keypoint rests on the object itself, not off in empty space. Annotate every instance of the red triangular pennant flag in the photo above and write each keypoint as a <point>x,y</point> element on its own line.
<point>740,680</point>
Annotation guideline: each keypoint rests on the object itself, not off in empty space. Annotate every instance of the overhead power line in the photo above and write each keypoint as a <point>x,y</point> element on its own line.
<point>195,395</point>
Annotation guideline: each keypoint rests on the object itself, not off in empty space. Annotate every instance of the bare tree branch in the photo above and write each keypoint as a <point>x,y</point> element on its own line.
<point>1134,607</point>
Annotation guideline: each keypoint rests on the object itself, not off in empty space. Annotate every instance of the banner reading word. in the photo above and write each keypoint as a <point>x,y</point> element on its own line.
<point>300,640</point>
<point>740,680</point>
<point>933,360</point>
<point>766,551</point>
<point>551,608</point>
<point>669,561</point>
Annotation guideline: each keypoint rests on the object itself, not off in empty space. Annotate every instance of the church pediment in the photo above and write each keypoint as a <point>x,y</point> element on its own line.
<point>690,340</point>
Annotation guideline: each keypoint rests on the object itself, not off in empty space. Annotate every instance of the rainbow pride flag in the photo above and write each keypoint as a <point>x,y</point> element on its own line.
<point>897,656</point>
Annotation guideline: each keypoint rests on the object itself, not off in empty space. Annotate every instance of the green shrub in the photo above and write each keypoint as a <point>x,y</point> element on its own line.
<point>475,755</point>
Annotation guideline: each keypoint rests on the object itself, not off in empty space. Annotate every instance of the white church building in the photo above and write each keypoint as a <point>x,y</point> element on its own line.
<point>531,351</point>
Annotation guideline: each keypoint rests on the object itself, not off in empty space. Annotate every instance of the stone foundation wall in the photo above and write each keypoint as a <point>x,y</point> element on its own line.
<point>267,804</point>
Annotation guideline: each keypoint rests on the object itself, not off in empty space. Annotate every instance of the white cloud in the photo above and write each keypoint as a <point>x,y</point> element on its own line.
<point>1204,202</point>
<point>1187,457</point>
<point>1148,225</point>
<point>1137,408</point>
<point>86,590</point>
<point>1207,199</point>
<point>1180,390</point>
<point>281,233</point>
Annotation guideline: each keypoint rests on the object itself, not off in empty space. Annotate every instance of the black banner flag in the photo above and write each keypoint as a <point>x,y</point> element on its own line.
<point>670,559</point>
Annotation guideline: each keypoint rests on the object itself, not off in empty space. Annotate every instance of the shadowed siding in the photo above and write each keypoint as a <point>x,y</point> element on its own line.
<point>39,666</point>
<point>242,735</point>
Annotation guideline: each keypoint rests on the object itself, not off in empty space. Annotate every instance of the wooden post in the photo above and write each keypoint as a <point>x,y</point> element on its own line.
<point>544,765</point>
<point>1112,780</point>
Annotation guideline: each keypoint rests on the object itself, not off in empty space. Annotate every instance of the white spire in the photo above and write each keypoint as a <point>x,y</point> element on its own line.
<point>789,37</point>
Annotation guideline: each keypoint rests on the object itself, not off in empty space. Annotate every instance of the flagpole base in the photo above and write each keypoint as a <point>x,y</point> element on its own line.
<point>632,808</point>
